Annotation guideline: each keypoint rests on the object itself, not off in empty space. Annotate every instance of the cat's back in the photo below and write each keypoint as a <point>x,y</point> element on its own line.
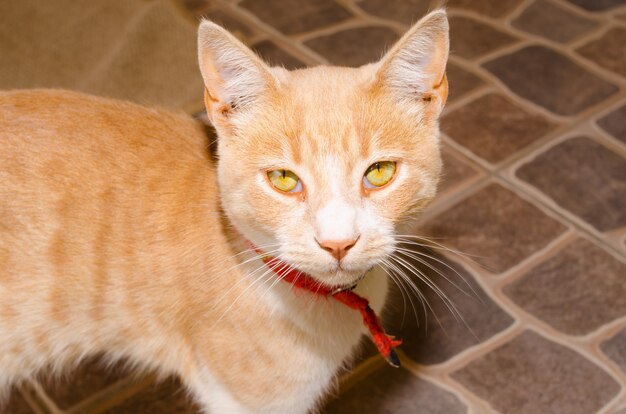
<point>44,124</point>
<point>80,172</point>
<point>102,204</point>
<point>54,141</point>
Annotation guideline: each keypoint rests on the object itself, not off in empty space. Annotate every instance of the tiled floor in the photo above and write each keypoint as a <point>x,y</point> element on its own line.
<point>534,196</point>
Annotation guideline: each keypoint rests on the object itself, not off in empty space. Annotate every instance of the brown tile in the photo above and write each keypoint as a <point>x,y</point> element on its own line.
<point>615,348</point>
<point>228,22</point>
<point>496,226</point>
<point>608,51</point>
<point>404,11</point>
<point>436,334</point>
<point>597,5</point>
<point>546,19</point>
<point>615,123</point>
<point>166,397</point>
<point>276,56</point>
<point>533,375</point>
<point>354,47</point>
<point>89,377</point>
<point>583,177</point>
<point>491,8</point>
<point>461,81</point>
<point>455,171</point>
<point>576,291</point>
<point>297,16</point>
<point>550,79</point>
<point>391,390</point>
<point>16,404</point>
<point>470,38</point>
<point>494,128</point>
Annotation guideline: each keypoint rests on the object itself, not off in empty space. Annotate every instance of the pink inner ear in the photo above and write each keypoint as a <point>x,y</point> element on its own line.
<point>232,73</point>
<point>417,62</point>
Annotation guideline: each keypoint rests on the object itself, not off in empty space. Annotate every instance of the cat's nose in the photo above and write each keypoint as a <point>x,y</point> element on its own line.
<point>337,248</point>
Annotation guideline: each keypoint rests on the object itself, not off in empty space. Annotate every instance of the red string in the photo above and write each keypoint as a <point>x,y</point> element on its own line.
<point>383,342</point>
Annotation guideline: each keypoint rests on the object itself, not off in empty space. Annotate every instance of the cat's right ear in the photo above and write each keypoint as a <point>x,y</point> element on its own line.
<point>234,77</point>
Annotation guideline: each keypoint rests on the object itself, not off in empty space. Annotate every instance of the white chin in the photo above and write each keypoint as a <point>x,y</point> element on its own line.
<point>341,277</point>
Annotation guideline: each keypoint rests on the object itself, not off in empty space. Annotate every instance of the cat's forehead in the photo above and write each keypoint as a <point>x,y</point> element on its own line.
<point>326,84</point>
<point>332,110</point>
<point>323,117</point>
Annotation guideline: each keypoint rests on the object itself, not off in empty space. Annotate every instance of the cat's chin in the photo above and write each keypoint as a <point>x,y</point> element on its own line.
<point>341,278</point>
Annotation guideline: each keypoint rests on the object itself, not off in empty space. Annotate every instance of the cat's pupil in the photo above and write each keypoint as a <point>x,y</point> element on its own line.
<point>377,166</point>
<point>284,173</point>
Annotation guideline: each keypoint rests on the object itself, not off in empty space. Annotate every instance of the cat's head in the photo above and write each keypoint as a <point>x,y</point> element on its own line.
<point>321,164</point>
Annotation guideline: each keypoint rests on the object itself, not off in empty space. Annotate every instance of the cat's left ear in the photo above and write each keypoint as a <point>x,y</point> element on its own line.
<point>234,77</point>
<point>414,69</point>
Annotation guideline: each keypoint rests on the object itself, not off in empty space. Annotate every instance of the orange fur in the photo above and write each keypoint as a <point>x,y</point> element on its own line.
<point>119,234</point>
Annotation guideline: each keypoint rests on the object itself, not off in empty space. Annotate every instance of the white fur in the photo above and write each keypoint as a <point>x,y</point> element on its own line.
<point>336,221</point>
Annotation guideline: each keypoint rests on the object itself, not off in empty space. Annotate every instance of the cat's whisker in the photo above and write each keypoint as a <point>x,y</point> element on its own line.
<point>425,303</point>
<point>415,271</point>
<point>295,280</point>
<point>410,239</point>
<point>416,256</point>
<point>254,250</point>
<point>261,266</point>
<point>411,286</point>
<point>445,299</point>
<point>268,271</point>
<point>251,259</point>
<point>404,294</point>
<point>283,269</point>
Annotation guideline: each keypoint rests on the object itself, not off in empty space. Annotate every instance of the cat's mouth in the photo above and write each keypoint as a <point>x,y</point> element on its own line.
<point>341,278</point>
<point>353,284</point>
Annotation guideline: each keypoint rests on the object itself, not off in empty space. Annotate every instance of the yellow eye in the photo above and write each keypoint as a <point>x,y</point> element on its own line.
<point>379,174</point>
<point>285,180</point>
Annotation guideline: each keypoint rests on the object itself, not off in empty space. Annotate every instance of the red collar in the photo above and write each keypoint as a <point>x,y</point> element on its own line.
<point>346,296</point>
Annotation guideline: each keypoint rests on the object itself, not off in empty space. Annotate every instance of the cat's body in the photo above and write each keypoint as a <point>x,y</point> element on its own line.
<point>119,234</point>
<point>118,245</point>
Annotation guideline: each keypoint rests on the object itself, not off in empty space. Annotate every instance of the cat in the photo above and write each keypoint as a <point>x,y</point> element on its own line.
<point>120,233</point>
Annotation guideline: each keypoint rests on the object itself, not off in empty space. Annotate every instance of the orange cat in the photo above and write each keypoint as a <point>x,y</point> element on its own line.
<point>119,234</point>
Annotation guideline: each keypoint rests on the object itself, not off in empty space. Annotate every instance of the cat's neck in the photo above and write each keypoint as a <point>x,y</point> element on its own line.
<point>307,307</point>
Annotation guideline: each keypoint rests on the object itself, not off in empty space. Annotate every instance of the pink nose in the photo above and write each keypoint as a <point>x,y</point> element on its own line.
<point>337,248</point>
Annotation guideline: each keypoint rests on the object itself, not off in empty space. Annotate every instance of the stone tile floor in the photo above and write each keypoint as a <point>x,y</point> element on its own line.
<point>534,196</point>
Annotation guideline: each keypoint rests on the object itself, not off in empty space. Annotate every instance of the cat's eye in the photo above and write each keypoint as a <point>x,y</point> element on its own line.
<point>379,174</point>
<point>285,180</point>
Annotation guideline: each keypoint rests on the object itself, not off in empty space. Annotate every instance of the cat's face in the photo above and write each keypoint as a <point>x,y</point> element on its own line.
<point>318,166</point>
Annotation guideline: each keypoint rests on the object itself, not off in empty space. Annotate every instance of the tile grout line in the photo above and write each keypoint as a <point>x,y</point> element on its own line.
<point>112,395</point>
<point>523,37</point>
<point>355,22</point>
<point>503,89</point>
<point>493,288</point>
<point>580,349</point>
<point>298,50</point>
<point>38,399</point>
<point>585,344</point>
<point>547,202</point>
<point>469,399</point>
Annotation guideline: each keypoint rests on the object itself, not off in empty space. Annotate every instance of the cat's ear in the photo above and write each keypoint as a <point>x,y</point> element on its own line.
<point>414,69</point>
<point>234,77</point>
